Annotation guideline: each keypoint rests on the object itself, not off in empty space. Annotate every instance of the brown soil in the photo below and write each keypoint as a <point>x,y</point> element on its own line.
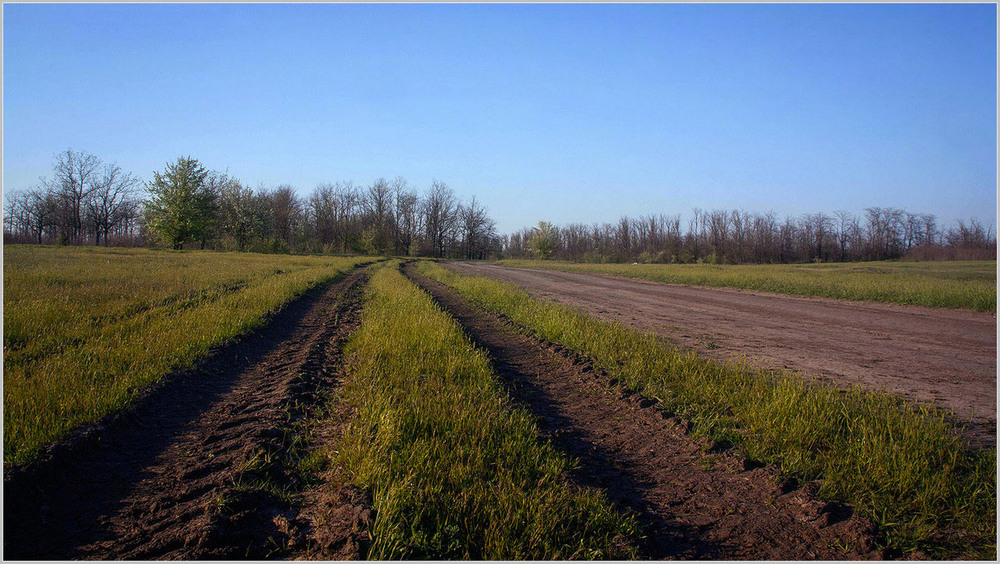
<point>945,357</point>
<point>694,500</point>
<point>203,466</point>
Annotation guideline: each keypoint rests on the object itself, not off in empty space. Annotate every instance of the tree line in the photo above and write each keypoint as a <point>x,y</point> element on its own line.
<point>738,237</point>
<point>88,201</point>
<point>187,205</point>
<point>85,201</point>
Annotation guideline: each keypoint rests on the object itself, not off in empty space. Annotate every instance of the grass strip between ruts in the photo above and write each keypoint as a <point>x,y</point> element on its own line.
<point>900,464</point>
<point>455,470</point>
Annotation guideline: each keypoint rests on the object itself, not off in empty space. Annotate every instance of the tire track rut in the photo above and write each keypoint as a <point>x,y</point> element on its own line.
<point>694,502</point>
<point>203,466</point>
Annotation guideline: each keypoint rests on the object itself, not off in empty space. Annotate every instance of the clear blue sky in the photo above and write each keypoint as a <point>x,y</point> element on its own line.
<point>567,113</point>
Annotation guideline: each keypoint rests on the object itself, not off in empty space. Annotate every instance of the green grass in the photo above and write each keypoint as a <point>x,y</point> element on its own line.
<point>456,472</point>
<point>957,284</point>
<point>86,328</point>
<point>899,464</point>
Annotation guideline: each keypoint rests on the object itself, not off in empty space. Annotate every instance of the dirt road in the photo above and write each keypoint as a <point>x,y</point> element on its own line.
<point>692,504</point>
<point>947,357</point>
<point>204,466</point>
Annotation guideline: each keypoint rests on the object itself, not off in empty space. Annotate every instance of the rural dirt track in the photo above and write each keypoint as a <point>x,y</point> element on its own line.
<point>184,473</point>
<point>943,356</point>
<point>194,468</point>
<point>693,504</point>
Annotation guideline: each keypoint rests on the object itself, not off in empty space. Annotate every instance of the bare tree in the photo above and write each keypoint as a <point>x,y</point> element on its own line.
<point>322,214</point>
<point>577,242</point>
<point>817,229</point>
<point>287,213</point>
<point>42,211</point>
<point>623,239</point>
<point>718,225</point>
<point>845,222</point>
<point>971,236</point>
<point>930,229</point>
<point>739,250</point>
<point>378,206</point>
<point>72,184</point>
<point>112,201</point>
<point>333,211</point>
<point>440,217</point>
<point>478,230</point>
<point>347,204</point>
<point>764,238</point>
<point>885,232</point>
<point>16,209</point>
<point>407,224</point>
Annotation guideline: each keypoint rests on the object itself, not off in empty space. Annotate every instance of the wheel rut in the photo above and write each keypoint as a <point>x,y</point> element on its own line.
<point>694,501</point>
<point>204,466</point>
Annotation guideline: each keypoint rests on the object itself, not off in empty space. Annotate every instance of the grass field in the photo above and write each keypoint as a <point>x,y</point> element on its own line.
<point>902,466</point>
<point>86,328</point>
<point>957,284</point>
<point>456,471</point>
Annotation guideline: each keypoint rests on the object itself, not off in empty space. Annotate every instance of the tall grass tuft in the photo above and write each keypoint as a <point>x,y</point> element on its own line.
<point>954,284</point>
<point>86,328</point>
<point>900,464</point>
<point>456,472</point>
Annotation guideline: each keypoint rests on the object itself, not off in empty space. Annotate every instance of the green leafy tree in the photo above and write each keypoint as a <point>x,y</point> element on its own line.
<point>543,240</point>
<point>181,207</point>
<point>369,242</point>
<point>242,213</point>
